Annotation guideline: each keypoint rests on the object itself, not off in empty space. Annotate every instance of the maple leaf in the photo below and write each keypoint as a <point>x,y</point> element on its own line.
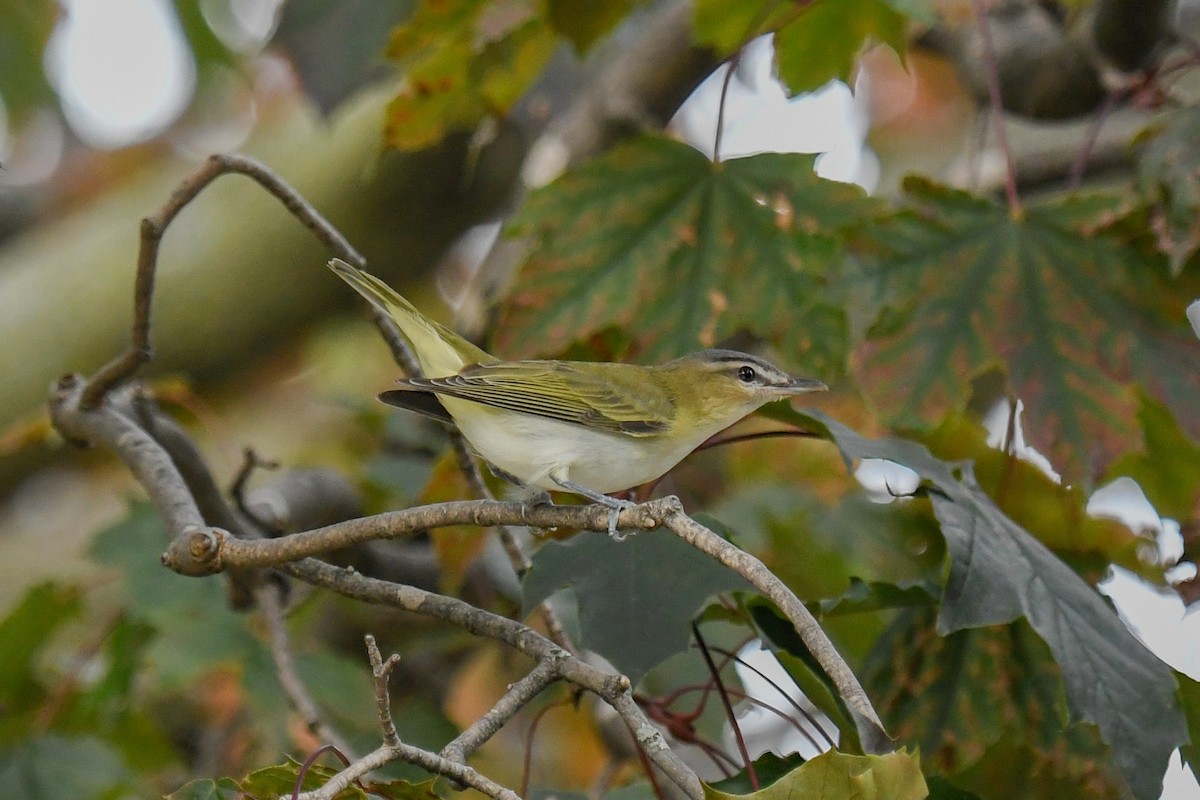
<point>682,253</point>
<point>1073,319</point>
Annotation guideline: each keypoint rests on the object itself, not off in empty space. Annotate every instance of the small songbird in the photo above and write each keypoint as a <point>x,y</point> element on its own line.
<point>585,427</point>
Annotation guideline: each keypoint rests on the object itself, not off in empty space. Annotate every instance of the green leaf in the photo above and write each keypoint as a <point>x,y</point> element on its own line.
<point>1071,318</point>
<point>956,696</point>
<point>24,632</point>
<point>682,253</point>
<point>584,23</point>
<point>837,776</point>
<point>1169,180</point>
<point>1053,512</point>
<point>23,37</point>
<point>768,768</point>
<point>823,44</point>
<point>1168,470</point>
<point>1189,696</point>
<point>58,768</point>
<point>636,597</point>
<point>334,48</point>
<point>863,597</point>
<point>942,789</point>
<point>463,60</point>
<point>222,789</point>
<point>999,572</point>
<point>814,42</point>
<point>196,628</point>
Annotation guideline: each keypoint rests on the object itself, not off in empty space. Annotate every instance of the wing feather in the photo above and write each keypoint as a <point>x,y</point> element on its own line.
<point>611,397</point>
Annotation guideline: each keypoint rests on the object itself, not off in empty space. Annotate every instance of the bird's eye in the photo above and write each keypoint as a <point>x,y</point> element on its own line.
<point>746,374</point>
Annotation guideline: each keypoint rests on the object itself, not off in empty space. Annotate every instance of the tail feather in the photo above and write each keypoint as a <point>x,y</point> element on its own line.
<point>440,351</point>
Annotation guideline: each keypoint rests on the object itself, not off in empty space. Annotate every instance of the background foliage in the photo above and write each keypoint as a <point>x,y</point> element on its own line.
<point>963,593</point>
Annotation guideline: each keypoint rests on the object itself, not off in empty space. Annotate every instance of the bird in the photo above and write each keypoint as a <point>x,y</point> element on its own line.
<point>585,427</point>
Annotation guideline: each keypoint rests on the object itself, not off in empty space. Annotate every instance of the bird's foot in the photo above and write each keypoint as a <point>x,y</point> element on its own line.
<point>615,507</point>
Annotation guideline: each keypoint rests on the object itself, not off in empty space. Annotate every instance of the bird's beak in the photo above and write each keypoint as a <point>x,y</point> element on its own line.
<point>802,385</point>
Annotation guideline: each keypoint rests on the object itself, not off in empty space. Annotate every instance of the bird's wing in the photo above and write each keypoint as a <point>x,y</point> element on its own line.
<point>602,396</point>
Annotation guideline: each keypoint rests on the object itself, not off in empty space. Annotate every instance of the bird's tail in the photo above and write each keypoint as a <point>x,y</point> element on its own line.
<point>440,350</point>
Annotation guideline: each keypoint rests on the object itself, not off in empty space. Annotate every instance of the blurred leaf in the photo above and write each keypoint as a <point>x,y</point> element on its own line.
<point>999,572</point>
<point>280,780</point>
<point>824,43</point>
<point>196,628</point>
<point>683,253</point>
<point>1169,469</point>
<point>336,47</point>
<point>837,776</point>
<point>1013,768</point>
<point>1169,180</point>
<point>222,789</point>
<point>1053,512</point>
<point>862,597</point>
<point>768,768</point>
<point>457,546</point>
<point>207,48</point>
<point>24,632</point>
<point>954,697</point>
<point>942,789</point>
<point>966,286</point>
<point>1189,695</point>
<point>619,584</point>
<point>23,37</point>
<point>805,671</point>
<point>58,768</point>
<point>814,42</point>
<point>584,23</point>
<point>463,60</point>
<point>853,537</point>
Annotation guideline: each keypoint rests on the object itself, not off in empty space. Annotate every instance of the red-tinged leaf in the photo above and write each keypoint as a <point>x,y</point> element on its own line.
<point>463,60</point>
<point>682,253</point>
<point>954,697</point>
<point>815,42</point>
<point>1074,319</point>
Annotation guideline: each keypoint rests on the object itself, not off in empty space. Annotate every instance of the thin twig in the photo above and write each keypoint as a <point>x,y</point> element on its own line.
<point>992,73</point>
<point>727,704</point>
<point>870,730</point>
<point>430,762</point>
<point>382,672</point>
<point>799,709</point>
<point>730,66</point>
<point>153,227</point>
<point>611,688</point>
<point>251,461</point>
<point>269,602</point>
<point>527,761</point>
<point>517,697</point>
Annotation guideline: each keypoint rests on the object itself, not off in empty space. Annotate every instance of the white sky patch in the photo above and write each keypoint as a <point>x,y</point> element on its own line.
<point>761,118</point>
<point>122,69</point>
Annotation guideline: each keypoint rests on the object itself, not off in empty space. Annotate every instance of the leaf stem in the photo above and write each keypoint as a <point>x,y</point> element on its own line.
<point>992,73</point>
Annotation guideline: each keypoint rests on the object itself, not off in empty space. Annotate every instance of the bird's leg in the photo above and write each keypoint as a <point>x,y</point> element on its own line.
<point>613,505</point>
<point>530,495</point>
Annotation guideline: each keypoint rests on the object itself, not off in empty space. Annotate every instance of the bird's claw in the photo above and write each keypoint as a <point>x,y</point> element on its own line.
<point>614,511</point>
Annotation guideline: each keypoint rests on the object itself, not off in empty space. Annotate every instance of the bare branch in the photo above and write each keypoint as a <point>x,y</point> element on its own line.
<point>428,761</point>
<point>382,671</point>
<point>268,598</point>
<point>153,227</point>
<point>518,695</point>
<point>612,688</point>
<point>870,730</point>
